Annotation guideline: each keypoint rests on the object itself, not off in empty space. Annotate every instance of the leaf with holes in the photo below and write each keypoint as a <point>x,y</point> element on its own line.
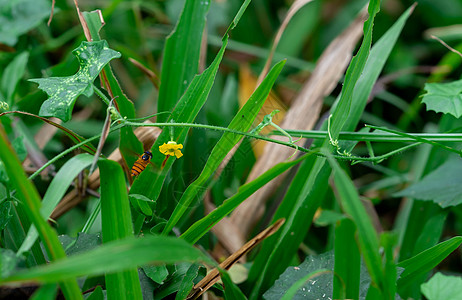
<point>444,97</point>
<point>63,91</point>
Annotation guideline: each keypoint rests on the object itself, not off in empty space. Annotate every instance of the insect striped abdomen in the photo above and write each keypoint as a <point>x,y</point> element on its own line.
<point>141,163</point>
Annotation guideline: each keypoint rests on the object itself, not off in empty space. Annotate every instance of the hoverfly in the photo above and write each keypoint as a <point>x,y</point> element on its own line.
<point>141,163</point>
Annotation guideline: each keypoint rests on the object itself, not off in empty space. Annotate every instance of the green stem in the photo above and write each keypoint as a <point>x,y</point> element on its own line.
<point>51,161</point>
<point>416,138</point>
<point>375,137</point>
<point>318,134</point>
<point>102,95</point>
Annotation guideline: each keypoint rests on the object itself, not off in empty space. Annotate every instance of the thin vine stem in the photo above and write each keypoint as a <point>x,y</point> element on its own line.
<point>69,150</point>
<point>374,136</point>
<point>416,138</point>
<point>124,122</point>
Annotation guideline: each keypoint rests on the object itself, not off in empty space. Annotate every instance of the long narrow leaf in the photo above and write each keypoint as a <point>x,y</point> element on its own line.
<point>185,111</point>
<point>306,192</point>
<point>55,193</point>
<point>426,260</point>
<point>241,122</point>
<point>181,55</point>
<point>31,203</point>
<point>347,261</point>
<point>128,253</point>
<point>368,240</point>
<point>117,224</point>
<point>201,227</point>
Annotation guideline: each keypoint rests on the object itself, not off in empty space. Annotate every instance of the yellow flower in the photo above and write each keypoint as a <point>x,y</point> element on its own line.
<point>172,149</point>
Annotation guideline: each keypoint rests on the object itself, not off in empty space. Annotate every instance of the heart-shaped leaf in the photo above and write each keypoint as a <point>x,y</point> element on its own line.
<point>444,97</point>
<point>63,91</point>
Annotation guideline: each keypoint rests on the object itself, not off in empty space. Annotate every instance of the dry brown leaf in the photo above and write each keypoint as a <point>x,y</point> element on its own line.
<point>303,115</point>
<point>214,275</point>
<point>296,6</point>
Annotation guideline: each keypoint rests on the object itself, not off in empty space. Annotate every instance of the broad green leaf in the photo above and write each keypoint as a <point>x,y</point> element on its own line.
<point>241,122</point>
<point>116,225</point>
<point>11,76</point>
<point>174,281</point>
<point>181,55</point>
<point>142,204</point>
<point>128,253</point>
<point>30,202</point>
<point>442,287</point>
<point>63,91</point>
<point>426,261</point>
<point>440,186</point>
<point>84,242</point>
<point>188,282</point>
<point>201,227</point>
<point>319,288</point>
<point>20,16</point>
<point>444,97</point>
<point>347,261</point>
<point>157,273</point>
<point>55,193</point>
<point>298,285</point>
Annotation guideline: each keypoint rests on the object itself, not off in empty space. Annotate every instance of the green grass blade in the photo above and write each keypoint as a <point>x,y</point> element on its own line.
<point>181,55</point>
<point>201,227</point>
<point>117,224</point>
<point>241,122</point>
<point>388,242</point>
<point>128,253</point>
<point>45,292</point>
<point>308,188</point>
<point>55,193</point>
<point>27,193</point>
<point>11,76</point>
<point>232,291</point>
<point>186,110</point>
<point>425,261</point>
<point>368,240</point>
<point>347,261</point>
<point>373,68</point>
<point>299,205</point>
<point>353,74</point>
